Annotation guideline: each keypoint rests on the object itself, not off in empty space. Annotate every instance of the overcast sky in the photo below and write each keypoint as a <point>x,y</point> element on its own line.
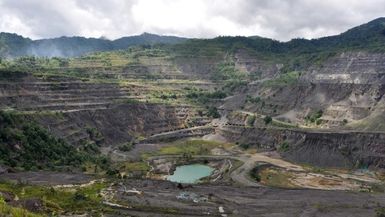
<point>278,19</point>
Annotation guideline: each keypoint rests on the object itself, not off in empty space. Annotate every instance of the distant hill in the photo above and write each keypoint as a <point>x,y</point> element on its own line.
<point>369,36</point>
<point>13,45</point>
<point>366,37</point>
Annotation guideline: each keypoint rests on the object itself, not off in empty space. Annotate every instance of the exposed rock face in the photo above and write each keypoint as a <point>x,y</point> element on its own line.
<point>347,86</point>
<point>78,107</point>
<point>61,94</point>
<point>251,64</point>
<point>118,124</point>
<point>353,67</point>
<point>329,149</point>
<point>80,111</point>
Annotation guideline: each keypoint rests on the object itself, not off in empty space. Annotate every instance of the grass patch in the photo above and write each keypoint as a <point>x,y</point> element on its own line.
<point>289,78</point>
<point>314,117</point>
<point>190,147</point>
<point>134,167</point>
<point>6,210</point>
<point>77,199</point>
<point>227,71</point>
<point>275,177</point>
<point>282,124</point>
<point>250,120</point>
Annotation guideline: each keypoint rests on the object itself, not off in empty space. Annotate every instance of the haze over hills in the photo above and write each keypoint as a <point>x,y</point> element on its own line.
<point>370,35</point>
<point>13,45</point>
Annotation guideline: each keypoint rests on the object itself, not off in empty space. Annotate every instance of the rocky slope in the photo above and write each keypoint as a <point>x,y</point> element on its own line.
<point>334,83</point>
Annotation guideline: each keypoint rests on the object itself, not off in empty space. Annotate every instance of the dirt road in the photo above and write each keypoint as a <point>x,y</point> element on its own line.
<point>240,175</point>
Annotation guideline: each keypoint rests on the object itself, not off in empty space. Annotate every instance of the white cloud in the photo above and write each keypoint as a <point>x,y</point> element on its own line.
<point>279,19</point>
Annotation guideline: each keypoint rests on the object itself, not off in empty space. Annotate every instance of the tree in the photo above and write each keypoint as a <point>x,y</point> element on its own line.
<point>251,120</point>
<point>213,112</point>
<point>267,119</point>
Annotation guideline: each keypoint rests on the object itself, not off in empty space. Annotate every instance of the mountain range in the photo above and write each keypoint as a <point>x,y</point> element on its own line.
<point>13,45</point>
<point>367,36</point>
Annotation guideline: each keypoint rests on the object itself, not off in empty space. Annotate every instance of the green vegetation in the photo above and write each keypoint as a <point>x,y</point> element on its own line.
<point>203,97</point>
<point>189,147</point>
<point>267,119</point>
<point>283,124</point>
<point>168,96</point>
<point>58,200</point>
<point>275,177</point>
<point>24,144</point>
<point>95,135</point>
<point>245,146</point>
<point>233,84</point>
<point>130,167</point>
<point>284,146</point>
<point>126,147</point>
<point>314,117</point>
<point>380,212</point>
<point>14,45</point>
<point>250,120</point>
<point>254,173</point>
<point>289,78</point>
<point>213,112</point>
<point>6,210</point>
<point>295,55</point>
<point>254,100</point>
<point>227,71</point>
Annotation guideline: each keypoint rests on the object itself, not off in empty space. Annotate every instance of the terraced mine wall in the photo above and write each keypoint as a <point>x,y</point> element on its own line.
<point>325,149</point>
<point>347,86</point>
<point>351,101</point>
<point>81,112</point>
<point>119,124</point>
<point>180,134</point>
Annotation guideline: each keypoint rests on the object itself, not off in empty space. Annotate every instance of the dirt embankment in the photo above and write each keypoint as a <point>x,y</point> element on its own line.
<point>325,149</point>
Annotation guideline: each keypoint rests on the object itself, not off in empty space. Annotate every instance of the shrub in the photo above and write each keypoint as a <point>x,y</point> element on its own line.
<point>78,196</point>
<point>254,173</point>
<point>284,146</point>
<point>213,112</point>
<point>245,146</point>
<point>380,212</point>
<point>126,147</point>
<point>267,119</point>
<point>251,120</point>
<point>255,100</point>
<point>112,172</point>
<point>314,117</point>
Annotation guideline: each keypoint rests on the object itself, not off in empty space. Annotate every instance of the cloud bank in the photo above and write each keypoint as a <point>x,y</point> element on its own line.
<point>278,19</point>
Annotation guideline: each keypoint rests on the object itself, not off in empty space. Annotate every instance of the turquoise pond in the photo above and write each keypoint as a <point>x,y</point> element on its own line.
<point>190,173</point>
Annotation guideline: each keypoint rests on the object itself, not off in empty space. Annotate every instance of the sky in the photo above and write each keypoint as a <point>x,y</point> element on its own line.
<point>278,19</point>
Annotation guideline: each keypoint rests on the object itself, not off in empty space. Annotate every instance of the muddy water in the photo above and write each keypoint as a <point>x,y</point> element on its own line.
<point>190,173</point>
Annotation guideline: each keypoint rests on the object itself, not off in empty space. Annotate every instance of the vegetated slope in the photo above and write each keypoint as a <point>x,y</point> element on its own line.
<point>25,144</point>
<point>367,36</point>
<point>13,45</point>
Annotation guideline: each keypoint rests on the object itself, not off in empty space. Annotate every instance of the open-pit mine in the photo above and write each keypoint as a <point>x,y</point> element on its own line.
<point>230,126</point>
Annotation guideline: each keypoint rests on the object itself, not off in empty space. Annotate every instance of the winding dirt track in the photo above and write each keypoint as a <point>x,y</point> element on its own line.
<point>240,175</point>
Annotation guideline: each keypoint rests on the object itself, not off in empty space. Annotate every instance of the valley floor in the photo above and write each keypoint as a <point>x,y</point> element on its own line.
<point>233,191</point>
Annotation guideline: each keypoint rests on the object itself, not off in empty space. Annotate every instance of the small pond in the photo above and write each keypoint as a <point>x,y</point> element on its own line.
<point>190,173</point>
